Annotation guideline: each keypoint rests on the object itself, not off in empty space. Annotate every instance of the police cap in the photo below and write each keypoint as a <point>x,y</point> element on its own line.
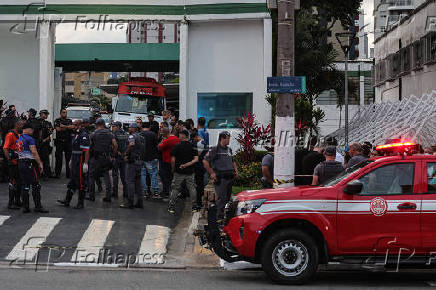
<point>32,111</point>
<point>44,112</point>
<point>117,124</point>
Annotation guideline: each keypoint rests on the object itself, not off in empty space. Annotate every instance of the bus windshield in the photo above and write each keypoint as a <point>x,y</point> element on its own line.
<point>139,104</point>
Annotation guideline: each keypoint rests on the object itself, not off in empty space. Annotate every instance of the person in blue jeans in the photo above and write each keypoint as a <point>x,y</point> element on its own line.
<point>151,163</point>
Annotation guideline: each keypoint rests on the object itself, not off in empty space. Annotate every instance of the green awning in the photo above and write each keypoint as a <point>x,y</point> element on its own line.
<point>150,57</point>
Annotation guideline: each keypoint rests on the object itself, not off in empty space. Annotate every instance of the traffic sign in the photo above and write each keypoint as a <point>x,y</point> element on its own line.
<point>296,85</point>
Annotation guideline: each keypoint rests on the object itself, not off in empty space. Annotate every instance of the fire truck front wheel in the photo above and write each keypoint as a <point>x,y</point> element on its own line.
<point>290,256</point>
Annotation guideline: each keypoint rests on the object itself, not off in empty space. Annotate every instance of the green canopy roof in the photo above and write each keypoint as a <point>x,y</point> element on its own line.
<point>151,57</point>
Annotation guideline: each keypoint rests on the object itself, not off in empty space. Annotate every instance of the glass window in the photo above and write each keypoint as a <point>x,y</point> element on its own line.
<point>79,114</point>
<point>431,177</point>
<point>347,172</point>
<point>389,180</point>
<point>139,104</point>
<point>222,110</point>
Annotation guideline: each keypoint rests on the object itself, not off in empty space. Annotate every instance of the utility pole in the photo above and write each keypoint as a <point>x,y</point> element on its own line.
<point>284,150</point>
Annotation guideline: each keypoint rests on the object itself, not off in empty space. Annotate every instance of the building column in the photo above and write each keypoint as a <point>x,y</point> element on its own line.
<point>183,72</point>
<point>267,66</point>
<point>46,66</point>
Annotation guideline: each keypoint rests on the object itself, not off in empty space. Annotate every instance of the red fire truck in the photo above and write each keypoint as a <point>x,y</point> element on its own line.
<point>379,212</point>
<point>137,98</point>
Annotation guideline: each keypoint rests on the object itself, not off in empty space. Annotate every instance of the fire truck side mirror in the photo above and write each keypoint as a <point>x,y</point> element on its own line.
<point>354,187</point>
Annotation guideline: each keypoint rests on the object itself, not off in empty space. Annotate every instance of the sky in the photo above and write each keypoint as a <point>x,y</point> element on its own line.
<point>82,33</point>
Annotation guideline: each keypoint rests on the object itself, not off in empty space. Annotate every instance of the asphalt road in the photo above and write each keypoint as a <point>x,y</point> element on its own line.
<point>202,279</point>
<point>100,226</point>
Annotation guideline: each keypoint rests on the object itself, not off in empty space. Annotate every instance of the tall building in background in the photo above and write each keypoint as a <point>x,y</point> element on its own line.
<point>153,32</point>
<point>359,50</point>
<point>388,13</point>
<point>81,85</point>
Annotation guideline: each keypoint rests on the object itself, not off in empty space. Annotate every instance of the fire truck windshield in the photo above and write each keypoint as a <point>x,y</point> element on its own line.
<point>139,104</point>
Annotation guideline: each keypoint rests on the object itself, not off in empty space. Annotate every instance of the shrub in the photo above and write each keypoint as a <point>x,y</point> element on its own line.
<point>249,175</point>
<point>252,135</point>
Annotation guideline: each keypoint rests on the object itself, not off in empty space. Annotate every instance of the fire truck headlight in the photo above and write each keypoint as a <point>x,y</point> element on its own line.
<point>249,206</point>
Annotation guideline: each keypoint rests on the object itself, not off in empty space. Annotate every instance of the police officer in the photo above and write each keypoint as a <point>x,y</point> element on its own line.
<point>79,165</point>
<point>30,166</point>
<point>100,160</point>
<point>133,168</point>
<point>45,147</point>
<point>327,169</point>
<point>36,125</point>
<point>64,127</point>
<point>11,155</point>
<point>222,169</point>
<point>119,164</point>
<point>7,123</point>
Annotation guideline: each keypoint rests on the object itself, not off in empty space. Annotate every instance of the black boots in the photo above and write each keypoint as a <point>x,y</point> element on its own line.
<point>36,194</point>
<point>68,197</point>
<point>12,204</point>
<point>81,200</point>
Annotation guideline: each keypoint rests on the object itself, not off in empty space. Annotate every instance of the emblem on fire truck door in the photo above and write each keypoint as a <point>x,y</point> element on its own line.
<point>378,206</point>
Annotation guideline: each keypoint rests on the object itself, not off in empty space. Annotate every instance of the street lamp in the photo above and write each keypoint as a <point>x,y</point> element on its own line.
<point>346,40</point>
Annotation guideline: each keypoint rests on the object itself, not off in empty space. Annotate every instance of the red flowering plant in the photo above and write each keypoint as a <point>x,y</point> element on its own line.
<point>253,134</point>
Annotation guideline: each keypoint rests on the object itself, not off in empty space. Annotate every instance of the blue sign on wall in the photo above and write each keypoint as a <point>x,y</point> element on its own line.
<point>296,85</point>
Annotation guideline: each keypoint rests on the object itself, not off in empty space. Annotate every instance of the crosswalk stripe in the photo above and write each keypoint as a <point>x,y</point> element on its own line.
<point>153,245</point>
<point>27,248</point>
<point>3,218</point>
<point>88,249</point>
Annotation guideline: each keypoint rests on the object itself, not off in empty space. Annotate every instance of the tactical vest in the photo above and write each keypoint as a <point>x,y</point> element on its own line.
<point>102,141</point>
<point>121,138</point>
<point>329,170</point>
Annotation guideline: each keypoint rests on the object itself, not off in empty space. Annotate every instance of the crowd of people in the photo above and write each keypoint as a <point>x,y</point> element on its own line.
<point>173,151</point>
<point>176,152</point>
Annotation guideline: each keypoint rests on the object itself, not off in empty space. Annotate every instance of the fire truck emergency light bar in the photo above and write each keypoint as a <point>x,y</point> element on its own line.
<point>394,145</point>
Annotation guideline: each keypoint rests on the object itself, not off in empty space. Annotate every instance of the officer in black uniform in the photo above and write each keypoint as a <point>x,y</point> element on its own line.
<point>64,127</point>
<point>35,123</point>
<point>133,168</point>
<point>79,165</point>
<point>45,147</point>
<point>119,164</point>
<point>7,123</point>
<point>103,144</point>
